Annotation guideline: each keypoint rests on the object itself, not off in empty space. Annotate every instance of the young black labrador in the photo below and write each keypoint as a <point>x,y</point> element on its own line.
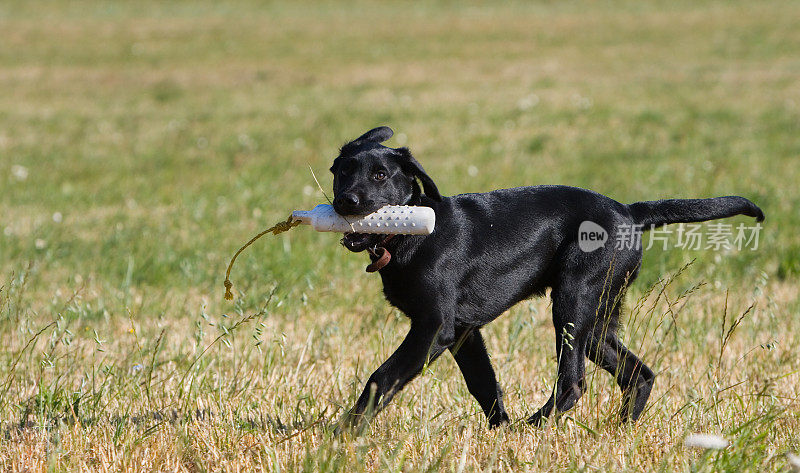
<point>490,251</point>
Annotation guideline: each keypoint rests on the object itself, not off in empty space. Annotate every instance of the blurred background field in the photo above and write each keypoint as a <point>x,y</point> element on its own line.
<point>141,143</point>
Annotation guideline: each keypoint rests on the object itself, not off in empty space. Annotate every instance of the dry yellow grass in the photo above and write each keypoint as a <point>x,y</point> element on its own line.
<point>273,409</point>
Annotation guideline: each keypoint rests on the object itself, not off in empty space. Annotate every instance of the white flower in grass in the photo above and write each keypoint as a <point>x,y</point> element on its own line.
<point>20,173</point>
<point>794,460</point>
<point>57,217</point>
<point>707,441</point>
<point>528,102</point>
<point>40,244</point>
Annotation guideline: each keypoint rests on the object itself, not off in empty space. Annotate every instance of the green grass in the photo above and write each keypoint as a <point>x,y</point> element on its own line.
<point>141,143</point>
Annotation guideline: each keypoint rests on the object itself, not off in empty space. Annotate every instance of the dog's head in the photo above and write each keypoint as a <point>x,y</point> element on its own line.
<point>368,175</point>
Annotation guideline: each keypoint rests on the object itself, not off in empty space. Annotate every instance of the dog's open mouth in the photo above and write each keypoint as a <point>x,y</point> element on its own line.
<point>357,241</point>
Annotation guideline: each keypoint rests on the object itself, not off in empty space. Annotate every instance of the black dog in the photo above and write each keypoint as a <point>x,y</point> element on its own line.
<point>490,251</point>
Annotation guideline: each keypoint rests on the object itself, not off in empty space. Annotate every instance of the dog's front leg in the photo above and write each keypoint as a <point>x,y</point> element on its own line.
<point>423,344</point>
<point>470,353</point>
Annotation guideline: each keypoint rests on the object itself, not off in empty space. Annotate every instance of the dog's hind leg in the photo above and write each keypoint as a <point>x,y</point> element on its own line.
<point>607,351</point>
<point>472,358</point>
<point>633,376</point>
<point>572,318</point>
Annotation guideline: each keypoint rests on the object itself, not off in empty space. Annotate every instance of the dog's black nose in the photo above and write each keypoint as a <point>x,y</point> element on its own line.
<point>346,203</point>
<point>350,199</point>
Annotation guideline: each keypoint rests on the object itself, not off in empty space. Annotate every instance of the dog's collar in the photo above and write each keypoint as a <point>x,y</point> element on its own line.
<point>380,252</point>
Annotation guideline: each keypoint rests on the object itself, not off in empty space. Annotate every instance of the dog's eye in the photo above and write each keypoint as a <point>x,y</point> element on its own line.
<point>380,175</point>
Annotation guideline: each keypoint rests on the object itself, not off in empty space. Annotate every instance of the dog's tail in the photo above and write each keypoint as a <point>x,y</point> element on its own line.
<point>656,213</point>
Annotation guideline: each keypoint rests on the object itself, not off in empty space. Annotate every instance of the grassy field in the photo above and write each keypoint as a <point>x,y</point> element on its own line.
<point>141,143</point>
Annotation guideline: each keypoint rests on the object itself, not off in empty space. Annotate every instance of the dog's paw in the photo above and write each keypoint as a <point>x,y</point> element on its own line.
<point>498,420</point>
<point>541,418</point>
<point>537,420</point>
<point>339,430</point>
<point>351,425</point>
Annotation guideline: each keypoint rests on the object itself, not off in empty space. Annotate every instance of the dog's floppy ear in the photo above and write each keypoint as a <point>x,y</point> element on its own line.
<point>376,135</point>
<point>413,167</point>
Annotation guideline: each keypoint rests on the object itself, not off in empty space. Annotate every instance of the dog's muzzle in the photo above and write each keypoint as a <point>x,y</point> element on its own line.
<point>359,241</point>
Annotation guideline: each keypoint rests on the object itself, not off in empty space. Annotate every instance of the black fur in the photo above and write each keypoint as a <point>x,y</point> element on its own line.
<point>492,250</point>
